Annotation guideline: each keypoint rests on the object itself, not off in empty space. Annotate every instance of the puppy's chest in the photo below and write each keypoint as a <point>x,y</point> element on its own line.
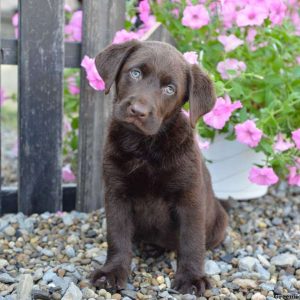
<point>144,178</point>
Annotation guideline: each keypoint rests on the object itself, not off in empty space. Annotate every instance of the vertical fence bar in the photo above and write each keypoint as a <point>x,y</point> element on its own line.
<point>102,18</point>
<point>41,63</point>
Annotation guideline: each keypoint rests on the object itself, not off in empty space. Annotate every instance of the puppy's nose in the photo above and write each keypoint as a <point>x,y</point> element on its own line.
<point>138,110</point>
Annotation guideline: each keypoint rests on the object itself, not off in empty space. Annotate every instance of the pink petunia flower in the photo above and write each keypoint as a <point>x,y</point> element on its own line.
<point>3,97</point>
<point>72,86</point>
<point>221,112</point>
<point>230,64</point>
<point>144,11</point>
<point>230,42</point>
<point>73,29</point>
<point>94,78</point>
<point>15,23</point>
<point>294,174</point>
<point>277,11</point>
<point>228,14</point>
<point>251,15</point>
<point>66,126</point>
<point>191,57</point>
<point>123,36</point>
<point>175,12</point>
<point>68,8</point>
<point>251,35</point>
<point>247,133</point>
<point>282,145</point>
<point>195,16</point>
<point>67,174</point>
<point>263,176</point>
<point>298,60</point>
<point>296,137</point>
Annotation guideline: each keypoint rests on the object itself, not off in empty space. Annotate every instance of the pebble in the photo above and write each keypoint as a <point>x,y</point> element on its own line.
<point>212,268</point>
<point>248,263</point>
<point>70,251</point>
<point>284,259</point>
<point>6,278</point>
<point>3,263</point>
<point>245,283</point>
<point>263,261</point>
<point>116,296</point>
<point>264,274</point>
<point>24,287</point>
<point>72,293</point>
<point>10,231</point>
<point>258,296</point>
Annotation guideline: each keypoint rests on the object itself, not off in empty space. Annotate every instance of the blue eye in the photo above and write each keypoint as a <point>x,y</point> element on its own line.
<point>135,73</point>
<point>169,90</point>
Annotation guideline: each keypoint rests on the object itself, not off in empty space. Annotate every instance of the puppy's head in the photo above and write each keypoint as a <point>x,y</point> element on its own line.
<point>153,81</point>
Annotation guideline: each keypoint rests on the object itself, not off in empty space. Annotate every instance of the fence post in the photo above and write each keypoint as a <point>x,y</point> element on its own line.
<point>41,65</point>
<point>101,19</point>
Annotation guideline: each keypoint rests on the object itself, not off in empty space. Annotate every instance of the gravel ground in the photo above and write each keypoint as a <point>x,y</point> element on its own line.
<point>49,256</point>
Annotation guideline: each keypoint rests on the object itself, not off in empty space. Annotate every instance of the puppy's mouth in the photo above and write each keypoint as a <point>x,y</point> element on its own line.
<point>138,126</point>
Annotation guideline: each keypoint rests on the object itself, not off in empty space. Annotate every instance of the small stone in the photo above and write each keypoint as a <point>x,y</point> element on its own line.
<point>38,274</point>
<point>284,259</point>
<point>212,268</point>
<point>268,286</point>
<point>102,292</point>
<point>85,227</point>
<point>10,231</point>
<point>56,296</point>
<point>116,296</point>
<point>160,279</point>
<point>128,293</point>
<point>263,261</point>
<point>61,272</point>
<point>47,252</point>
<point>247,263</point>
<point>3,263</point>
<point>88,293</point>
<point>258,296</point>
<point>40,295</point>
<point>188,297</point>
<point>108,295</point>
<point>264,274</point>
<point>49,276</point>
<point>245,283</point>
<point>70,252</point>
<point>24,287</point>
<point>6,278</point>
<point>68,219</point>
<point>72,293</point>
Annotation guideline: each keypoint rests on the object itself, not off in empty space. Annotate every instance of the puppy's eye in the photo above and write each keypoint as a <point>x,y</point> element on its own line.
<point>169,90</point>
<point>135,73</point>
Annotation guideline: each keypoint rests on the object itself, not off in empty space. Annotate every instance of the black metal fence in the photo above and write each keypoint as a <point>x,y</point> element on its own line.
<point>41,55</point>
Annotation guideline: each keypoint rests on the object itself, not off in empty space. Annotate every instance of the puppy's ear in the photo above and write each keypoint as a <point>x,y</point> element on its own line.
<point>111,59</point>
<point>201,94</point>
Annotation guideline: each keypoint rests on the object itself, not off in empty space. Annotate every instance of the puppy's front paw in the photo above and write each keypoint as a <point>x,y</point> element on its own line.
<point>187,284</point>
<point>109,278</point>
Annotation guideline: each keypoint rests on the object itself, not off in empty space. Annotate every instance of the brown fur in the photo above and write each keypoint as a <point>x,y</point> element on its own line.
<point>157,187</point>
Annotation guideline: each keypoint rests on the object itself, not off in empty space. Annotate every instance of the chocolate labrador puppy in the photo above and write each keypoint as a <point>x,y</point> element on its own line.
<point>157,187</point>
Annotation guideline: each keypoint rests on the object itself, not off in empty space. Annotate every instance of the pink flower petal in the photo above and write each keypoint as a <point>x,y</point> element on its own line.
<point>247,133</point>
<point>94,78</point>
<point>67,174</point>
<point>191,57</point>
<point>221,112</point>
<point>195,16</point>
<point>263,176</point>
<point>296,137</point>
<point>230,42</point>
